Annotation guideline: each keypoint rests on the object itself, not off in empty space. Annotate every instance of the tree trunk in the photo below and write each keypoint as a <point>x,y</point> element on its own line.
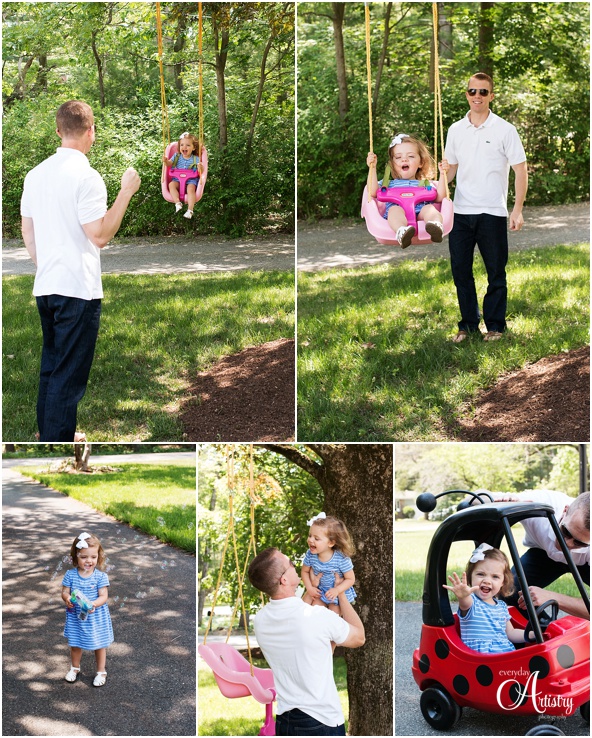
<point>357,481</point>
<point>99,63</point>
<point>383,55</point>
<point>337,17</point>
<point>82,452</point>
<point>19,89</point>
<point>179,46</point>
<point>486,40</point>
<point>444,33</point>
<point>204,567</point>
<point>262,78</point>
<point>221,39</point>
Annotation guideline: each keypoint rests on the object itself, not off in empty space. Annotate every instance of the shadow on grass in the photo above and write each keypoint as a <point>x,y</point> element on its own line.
<point>375,357</point>
<point>155,331</point>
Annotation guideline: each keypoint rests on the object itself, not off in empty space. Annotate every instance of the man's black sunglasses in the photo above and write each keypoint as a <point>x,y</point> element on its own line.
<point>566,534</point>
<point>472,91</point>
<point>292,564</point>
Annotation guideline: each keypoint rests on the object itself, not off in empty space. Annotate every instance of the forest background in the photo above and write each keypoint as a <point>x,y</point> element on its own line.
<point>537,52</point>
<point>106,54</point>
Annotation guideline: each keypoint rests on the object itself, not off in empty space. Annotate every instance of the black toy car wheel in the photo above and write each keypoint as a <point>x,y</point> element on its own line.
<point>439,709</point>
<point>585,711</point>
<point>545,730</point>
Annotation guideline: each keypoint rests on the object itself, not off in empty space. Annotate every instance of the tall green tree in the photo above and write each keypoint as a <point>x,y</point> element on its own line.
<point>537,52</point>
<point>357,481</point>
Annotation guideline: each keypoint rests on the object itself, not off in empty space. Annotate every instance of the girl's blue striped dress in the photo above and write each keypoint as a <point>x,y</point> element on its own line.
<point>96,631</point>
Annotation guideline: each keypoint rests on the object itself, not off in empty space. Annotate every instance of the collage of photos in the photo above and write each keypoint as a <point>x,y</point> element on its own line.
<point>295,368</point>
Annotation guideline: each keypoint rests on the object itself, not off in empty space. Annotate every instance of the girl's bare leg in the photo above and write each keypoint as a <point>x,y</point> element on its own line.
<point>191,190</point>
<point>75,656</point>
<point>396,217</point>
<point>335,609</point>
<point>429,212</point>
<point>174,190</point>
<point>101,659</point>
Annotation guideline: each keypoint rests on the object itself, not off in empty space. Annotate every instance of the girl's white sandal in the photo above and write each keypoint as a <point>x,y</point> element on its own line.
<point>100,679</point>
<point>72,675</point>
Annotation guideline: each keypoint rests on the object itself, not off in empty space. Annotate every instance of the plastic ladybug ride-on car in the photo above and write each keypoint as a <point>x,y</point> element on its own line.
<point>549,675</point>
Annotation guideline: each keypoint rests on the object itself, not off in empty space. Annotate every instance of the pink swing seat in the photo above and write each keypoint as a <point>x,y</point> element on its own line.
<point>183,175</point>
<point>373,209</point>
<point>233,675</point>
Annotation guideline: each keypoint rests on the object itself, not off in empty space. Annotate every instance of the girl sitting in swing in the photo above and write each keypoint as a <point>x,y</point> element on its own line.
<point>410,162</point>
<point>187,157</point>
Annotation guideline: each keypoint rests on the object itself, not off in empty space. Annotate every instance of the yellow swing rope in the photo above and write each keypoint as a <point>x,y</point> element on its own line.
<point>200,76</point>
<point>438,96</point>
<point>230,533</point>
<point>166,129</point>
<point>437,89</point>
<point>369,73</point>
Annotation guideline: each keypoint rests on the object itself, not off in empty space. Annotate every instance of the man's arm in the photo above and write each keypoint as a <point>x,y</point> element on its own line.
<point>570,605</point>
<point>28,231</point>
<point>451,173</point>
<point>521,186</point>
<point>101,231</point>
<point>357,635</point>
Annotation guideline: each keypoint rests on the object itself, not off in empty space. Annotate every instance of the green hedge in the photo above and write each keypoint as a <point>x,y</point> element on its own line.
<point>239,197</point>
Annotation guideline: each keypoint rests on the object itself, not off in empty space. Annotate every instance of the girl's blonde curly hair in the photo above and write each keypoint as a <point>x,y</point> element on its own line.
<point>92,541</point>
<point>337,533</point>
<point>507,587</point>
<point>428,169</point>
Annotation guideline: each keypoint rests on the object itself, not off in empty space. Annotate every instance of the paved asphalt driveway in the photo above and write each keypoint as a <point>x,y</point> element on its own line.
<point>150,688</point>
<point>333,244</point>
<point>176,255</point>
<point>408,717</point>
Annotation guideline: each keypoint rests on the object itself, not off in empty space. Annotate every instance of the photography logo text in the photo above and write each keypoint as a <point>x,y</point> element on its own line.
<point>519,693</point>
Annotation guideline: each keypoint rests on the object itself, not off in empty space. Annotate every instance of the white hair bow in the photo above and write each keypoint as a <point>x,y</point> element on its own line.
<point>479,553</point>
<point>320,516</point>
<point>398,139</point>
<point>82,540</point>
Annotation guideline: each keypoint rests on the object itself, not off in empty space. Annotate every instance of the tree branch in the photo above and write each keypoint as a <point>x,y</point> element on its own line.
<point>298,458</point>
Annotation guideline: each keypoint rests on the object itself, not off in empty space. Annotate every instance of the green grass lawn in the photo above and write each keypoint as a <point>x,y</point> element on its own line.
<point>218,715</point>
<point>157,499</point>
<point>157,332</point>
<point>375,358</point>
<point>412,541</point>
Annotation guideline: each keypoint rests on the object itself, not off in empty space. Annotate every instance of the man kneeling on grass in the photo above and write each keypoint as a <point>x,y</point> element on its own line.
<point>297,641</point>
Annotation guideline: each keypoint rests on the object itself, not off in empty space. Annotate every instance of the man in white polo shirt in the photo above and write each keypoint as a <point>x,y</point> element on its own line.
<point>543,561</point>
<point>297,641</point>
<point>480,149</point>
<point>65,223</point>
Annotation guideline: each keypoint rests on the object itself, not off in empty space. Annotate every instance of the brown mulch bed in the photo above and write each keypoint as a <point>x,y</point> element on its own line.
<point>546,401</point>
<point>248,396</point>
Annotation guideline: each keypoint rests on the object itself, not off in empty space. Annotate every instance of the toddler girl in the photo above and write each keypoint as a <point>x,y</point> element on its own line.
<point>329,550</point>
<point>484,620</point>
<point>93,633</point>
<point>187,157</point>
<point>410,162</point>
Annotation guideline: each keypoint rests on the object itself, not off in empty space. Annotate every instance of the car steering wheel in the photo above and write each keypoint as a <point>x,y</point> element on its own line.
<point>543,621</point>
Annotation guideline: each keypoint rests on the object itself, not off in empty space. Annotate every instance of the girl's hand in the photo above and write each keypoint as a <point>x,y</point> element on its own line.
<point>459,586</point>
<point>371,159</point>
<point>314,592</point>
<point>331,594</point>
<point>164,158</point>
<point>443,166</point>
